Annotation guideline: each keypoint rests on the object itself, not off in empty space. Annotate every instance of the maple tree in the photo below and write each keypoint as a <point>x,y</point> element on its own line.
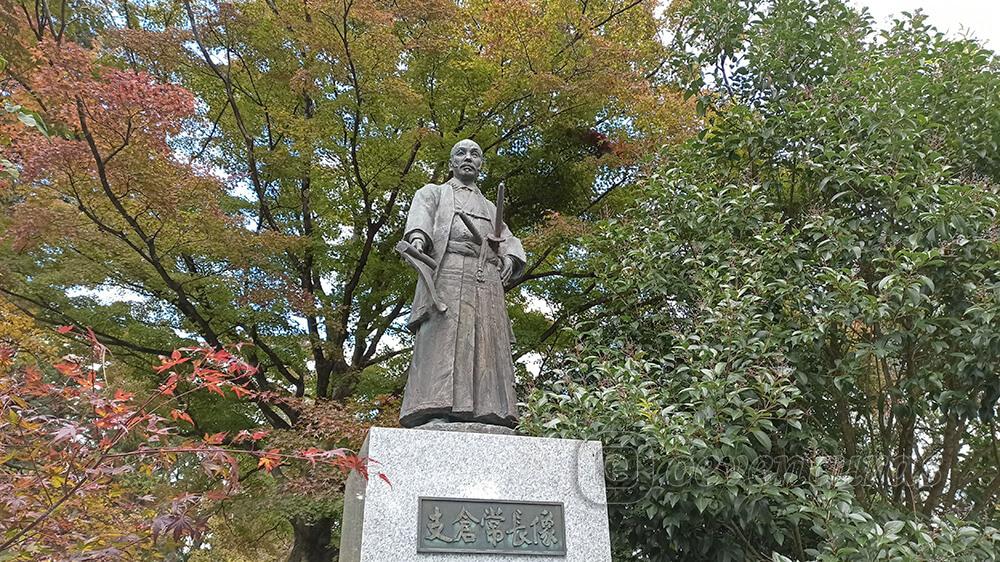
<point>219,172</point>
<point>68,448</point>
<point>67,445</point>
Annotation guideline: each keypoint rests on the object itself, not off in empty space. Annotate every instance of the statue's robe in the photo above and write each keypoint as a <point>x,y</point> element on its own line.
<point>462,367</point>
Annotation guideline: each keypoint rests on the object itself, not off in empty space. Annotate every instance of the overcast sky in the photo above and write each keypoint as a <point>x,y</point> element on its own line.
<point>980,18</point>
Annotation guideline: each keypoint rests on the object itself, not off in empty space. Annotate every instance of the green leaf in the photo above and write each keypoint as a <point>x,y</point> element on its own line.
<point>701,503</point>
<point>27,120</point>
<point>762,438</point>
<point>894,527</point>
<point>9,168</point>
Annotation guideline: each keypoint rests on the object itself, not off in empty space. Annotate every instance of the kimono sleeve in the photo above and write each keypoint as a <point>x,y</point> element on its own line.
<point>420,219</point>
<point>512,248</point>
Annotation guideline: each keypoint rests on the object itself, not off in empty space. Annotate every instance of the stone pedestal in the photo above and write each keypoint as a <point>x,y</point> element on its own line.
<point>382,522</point>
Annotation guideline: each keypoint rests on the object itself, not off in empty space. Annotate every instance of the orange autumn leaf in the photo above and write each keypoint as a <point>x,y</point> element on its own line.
<point>167,388</point>
<point>175,359</point>
<point>215,438</point>
<point>269,460</point>
<point>213,387</point>
<point>179,415</point>
<point>241,391</point>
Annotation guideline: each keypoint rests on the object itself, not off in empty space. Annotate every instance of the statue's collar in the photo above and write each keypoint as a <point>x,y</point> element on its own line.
<point>459,185</point>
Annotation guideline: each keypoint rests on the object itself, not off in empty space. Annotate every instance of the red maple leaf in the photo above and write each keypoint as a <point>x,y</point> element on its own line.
<point>312,453</point>
<point>220,356</point>
<point>175,359</point>
<point>99,348</point>
<point>215,438</point>
<point>65,329</point>
<point>269,460</point>
<point>241,391</point>
<point>167,388</point>
<point>68,369</point>
<point>357,464</point>
<point>179,415</point>
<point>213,387</point>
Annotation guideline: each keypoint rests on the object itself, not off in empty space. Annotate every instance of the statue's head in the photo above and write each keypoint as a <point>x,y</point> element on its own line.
<point>466,160</point>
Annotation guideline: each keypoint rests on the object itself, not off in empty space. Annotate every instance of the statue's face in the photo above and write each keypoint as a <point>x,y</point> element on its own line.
<point>466,160</point>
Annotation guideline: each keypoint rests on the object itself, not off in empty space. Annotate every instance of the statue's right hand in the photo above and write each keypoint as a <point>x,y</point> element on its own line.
<point>418,244</point>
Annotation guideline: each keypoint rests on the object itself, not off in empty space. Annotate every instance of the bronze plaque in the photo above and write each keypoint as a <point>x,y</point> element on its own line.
<point>491,527</point>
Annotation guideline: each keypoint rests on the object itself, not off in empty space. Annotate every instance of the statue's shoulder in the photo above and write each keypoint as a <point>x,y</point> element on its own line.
<point>430,190</point>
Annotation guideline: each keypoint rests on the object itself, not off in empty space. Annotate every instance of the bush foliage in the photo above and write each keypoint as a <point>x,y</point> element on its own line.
<point>797,354</point>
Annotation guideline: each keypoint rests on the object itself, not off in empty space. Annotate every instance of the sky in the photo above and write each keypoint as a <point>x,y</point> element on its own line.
<point>978,18</point>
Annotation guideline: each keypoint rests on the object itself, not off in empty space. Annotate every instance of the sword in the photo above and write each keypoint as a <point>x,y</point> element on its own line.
<point>497,236</point>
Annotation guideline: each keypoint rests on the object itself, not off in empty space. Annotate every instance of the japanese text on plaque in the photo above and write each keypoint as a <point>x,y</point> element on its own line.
<point>478,526</point>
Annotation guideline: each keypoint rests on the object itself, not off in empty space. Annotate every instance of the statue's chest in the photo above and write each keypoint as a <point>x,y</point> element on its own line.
<point>472,204</point>
<point>475,207</point>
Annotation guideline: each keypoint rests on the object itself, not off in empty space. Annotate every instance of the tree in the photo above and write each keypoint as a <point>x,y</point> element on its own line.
<point>90,470</point>
<point>800,346</point>
<point>229,172</point>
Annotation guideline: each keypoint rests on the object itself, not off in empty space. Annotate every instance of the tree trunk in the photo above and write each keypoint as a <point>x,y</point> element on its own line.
<point>312,540</point>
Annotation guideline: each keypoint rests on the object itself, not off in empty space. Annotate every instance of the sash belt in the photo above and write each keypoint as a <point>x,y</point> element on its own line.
<point>469,249</point>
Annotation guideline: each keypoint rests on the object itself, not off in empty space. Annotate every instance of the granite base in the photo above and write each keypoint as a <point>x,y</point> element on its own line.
<point>381,522</point>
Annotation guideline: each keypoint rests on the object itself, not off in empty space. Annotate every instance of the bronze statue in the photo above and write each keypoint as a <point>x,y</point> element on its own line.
<point>462,368</point>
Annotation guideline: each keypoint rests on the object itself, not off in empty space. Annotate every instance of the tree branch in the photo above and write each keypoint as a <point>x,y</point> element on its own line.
<point>181,299</point>
<point>387,321</point>
<point>65,319</point>
<point>557,324</point>
<point>248,142</point>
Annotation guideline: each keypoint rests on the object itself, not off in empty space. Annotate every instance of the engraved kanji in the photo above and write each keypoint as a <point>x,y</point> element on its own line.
<point>466,527</point>
<point>435,528</point>
<point>518,532</point>
<point>493,521</point>
<point>544,527</point>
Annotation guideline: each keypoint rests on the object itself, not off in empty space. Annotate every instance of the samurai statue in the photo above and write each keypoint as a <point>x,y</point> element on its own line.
<point>462,368</point>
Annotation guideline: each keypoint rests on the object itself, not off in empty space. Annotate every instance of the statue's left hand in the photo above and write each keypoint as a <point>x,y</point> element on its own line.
<point>506,269</point>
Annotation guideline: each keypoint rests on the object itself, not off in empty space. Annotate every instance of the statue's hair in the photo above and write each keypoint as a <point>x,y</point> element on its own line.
<point>452,152</point>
